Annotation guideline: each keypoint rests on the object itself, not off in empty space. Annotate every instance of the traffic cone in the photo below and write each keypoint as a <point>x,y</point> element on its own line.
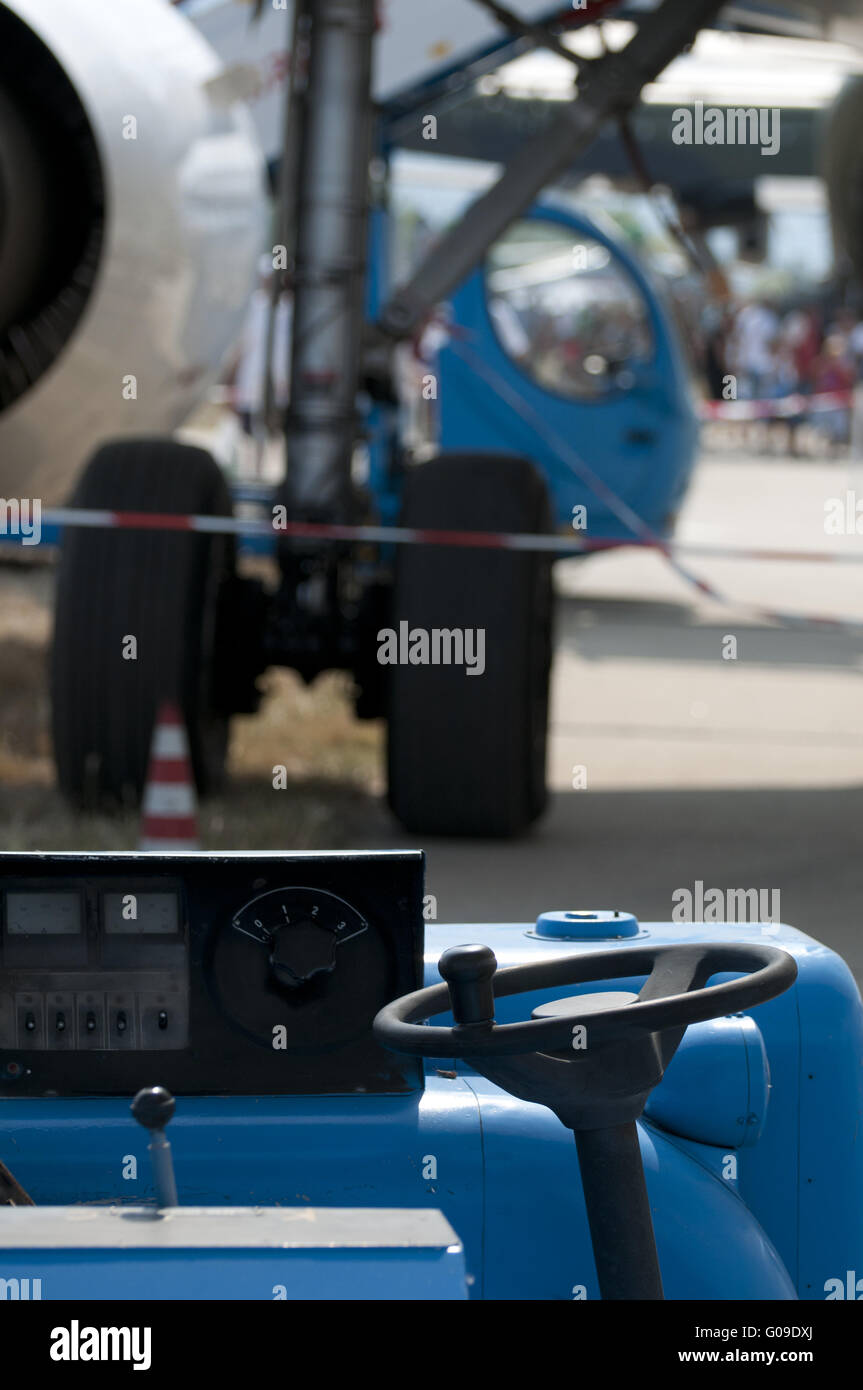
<point>169,818</point>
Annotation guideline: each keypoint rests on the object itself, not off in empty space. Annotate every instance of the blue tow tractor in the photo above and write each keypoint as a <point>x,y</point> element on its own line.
<point>337,1106</point>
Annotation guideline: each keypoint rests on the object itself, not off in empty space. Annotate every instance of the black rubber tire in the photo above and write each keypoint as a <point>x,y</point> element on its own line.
<point>466,754</point>
<point>163,588</point>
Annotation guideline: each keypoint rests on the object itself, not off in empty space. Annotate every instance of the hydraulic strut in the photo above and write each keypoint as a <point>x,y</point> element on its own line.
<point>329,270</point>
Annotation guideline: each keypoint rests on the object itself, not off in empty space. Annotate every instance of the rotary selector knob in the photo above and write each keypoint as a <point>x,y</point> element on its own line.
<point>302,930</point>
<point>301,951</point>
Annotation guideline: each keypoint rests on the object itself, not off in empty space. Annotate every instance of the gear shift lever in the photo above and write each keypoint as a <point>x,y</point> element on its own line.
<point>153,1107</point>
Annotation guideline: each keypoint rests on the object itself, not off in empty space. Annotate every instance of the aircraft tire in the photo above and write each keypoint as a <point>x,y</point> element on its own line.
<point>151,593</point>
<point>466,752</point>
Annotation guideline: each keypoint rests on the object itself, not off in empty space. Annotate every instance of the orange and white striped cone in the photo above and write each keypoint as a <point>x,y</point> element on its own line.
<point>169,816</point>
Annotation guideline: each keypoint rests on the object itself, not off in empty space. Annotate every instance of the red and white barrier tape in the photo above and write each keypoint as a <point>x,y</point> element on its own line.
<point>642,534</point>
<point>523,541</point>
<point>621,509</point>
<point>412,535</point>
<point>778,408</point>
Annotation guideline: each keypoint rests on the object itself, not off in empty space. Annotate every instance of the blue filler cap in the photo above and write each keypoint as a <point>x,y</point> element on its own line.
<point>586,926</point>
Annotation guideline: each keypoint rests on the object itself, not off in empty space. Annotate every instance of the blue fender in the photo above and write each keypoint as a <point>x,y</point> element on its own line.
<point>536,1242</point>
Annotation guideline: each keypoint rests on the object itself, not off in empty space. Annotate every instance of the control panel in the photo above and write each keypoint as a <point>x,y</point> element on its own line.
<point>243,974</point>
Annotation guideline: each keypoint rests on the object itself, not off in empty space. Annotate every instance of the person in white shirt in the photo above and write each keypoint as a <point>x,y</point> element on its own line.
<point>752,349</point>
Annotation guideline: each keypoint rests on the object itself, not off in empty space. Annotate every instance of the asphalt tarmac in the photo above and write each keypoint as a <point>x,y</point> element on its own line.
<point>740,771</point>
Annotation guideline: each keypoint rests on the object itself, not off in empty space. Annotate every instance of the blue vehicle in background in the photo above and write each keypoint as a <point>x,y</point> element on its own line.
<point>562,349</point>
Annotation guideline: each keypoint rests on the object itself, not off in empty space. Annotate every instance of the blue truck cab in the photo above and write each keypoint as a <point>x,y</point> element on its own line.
<point>561,346</point>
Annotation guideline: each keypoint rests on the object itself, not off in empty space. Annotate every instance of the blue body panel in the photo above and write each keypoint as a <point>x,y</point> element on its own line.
<point>238,1275</point>
<point>773,1212</point>
<point>803,1177</point>
<point>537,1245</point>
<point>640,441</point>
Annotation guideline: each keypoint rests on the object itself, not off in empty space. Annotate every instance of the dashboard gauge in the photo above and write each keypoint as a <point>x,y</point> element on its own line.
<point>141,914</point>
<point>281,970</point>
<point>301,928</point>
<point>43,914</point>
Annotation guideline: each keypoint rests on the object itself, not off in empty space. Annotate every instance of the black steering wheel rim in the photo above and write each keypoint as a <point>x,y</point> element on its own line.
<point>768,971</point>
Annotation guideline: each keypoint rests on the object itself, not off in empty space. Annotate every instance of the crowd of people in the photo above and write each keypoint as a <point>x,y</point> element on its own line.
<point>758,352</point>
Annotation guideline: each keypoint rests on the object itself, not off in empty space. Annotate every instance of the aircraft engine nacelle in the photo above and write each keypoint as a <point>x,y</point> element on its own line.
<point>131,214</point>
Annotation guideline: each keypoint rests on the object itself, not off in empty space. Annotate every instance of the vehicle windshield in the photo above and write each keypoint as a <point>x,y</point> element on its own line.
<point>566,310</point>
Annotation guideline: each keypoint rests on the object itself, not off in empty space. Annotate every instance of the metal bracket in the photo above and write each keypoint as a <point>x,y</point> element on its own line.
<point>540,34</point>
<point>609,87</point>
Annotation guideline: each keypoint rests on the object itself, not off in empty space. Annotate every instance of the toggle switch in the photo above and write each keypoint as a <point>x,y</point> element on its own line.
<point>60,1022</point>
<point>91,1025</point>
<point>162,1021</point>
<point>122,1020</point>
<point>30,1021</point>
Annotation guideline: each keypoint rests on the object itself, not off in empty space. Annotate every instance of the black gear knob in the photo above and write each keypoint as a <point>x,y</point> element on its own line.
<point>153,1107</point>
<point>469,971</point>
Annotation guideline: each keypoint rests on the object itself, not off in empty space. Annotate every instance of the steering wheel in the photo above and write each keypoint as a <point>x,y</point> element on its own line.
<point>593,1059</point>
<point>620,1043</point>
<point>674,995</point>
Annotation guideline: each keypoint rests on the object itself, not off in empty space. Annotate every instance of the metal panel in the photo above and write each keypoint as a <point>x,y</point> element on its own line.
<point>232,1253</point>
